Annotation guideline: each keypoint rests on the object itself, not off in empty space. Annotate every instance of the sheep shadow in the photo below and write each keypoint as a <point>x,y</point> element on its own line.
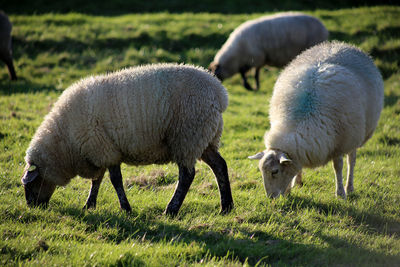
<point>371,219</point>
<point>254,247</point>
<point>154,231</point>
<point>22,86</point>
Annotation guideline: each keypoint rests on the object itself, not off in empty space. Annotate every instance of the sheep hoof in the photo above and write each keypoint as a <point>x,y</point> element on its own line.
<point>126,208</point>
<point>170,212</point>
<point>248,87</point>
<point>349,190</point>
<point>226,209</point>
<point>89,206</point>
<point>342,195</point>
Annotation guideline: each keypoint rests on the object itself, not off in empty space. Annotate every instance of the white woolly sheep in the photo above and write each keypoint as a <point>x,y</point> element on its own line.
<point>5,44</point>
<point>270,40</point>
<point>325,104</point>
<point>150,114</point>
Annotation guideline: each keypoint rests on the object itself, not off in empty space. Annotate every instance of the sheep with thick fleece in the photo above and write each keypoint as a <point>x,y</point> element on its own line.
<point>270,40</point>
<point>150,114</point>
<point>5,44</point>
<point>325,104</point>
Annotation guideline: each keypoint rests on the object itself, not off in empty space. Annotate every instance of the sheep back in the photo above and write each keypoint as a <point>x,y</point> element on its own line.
<point>326,103</point>
<point>273,40</point>
<point>142,115</point>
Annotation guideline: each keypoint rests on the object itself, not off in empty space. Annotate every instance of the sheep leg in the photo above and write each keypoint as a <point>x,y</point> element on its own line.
<point>245,83</point>
<point>186,177</point>
<point>351,162</point>
<point>257,78</point>
<point>218,165</point>
<point>338,167</point>
<point>94,190</point>
<point>116,180</point>
<point>9,62</point>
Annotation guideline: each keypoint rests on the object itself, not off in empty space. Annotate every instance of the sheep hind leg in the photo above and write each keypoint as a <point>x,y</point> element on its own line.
<point>218,165</point>
<point>94,190</point>
<point>116,180</point>
<point>338,167</point>
<point>351,162</point>
<point>244,78</point>
<point>257,78</point>
<point>186,176</point>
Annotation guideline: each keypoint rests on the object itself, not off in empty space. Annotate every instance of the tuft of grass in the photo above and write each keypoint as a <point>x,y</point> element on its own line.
<point>309,227</point>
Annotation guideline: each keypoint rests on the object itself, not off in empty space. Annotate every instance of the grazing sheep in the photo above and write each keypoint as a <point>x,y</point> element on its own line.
<point>325,104</point>
<point>5,44</point>
<point>151,114</point>
<point>271,40</point>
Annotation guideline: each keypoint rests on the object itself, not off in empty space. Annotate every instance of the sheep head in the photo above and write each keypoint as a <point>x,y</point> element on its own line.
<point>216,69</point>
<point>38,191</point>
<point>277,170</point>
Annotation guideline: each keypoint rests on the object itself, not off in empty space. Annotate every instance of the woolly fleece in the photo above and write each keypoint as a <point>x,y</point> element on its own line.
<point>141,115</point>
<point>326,103</point>
<point>270,40</point>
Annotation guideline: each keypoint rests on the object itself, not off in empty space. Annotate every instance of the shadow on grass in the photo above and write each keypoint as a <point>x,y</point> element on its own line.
<point>118,7</point>
<point>22,86</point>
<point>158,39</point>
<point>391,100</point>
<point>375,222</point>
<point>255,247</point>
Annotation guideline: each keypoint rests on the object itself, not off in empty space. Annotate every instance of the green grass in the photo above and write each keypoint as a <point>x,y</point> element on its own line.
<point>309,227</point>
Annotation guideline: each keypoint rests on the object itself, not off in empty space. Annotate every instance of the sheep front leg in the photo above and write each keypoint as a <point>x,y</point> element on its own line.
<point>94,190</point>
<point>244,78</point>
<point>218,165</point>
<point>338,167</point>
<point>186,177</point>
<point>351,162</point>
<point>116,180</point>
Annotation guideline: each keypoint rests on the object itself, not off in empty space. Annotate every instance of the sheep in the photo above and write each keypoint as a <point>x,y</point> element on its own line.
<point>141,115</point>
<point>270,40</point>
<point>5,44</point>
<point>326,103</point>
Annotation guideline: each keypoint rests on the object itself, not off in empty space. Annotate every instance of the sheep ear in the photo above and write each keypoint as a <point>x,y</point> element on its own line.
<point>284,159</point>
<point>30,174</point>
<point>259,155</point>
<point>212,66</point>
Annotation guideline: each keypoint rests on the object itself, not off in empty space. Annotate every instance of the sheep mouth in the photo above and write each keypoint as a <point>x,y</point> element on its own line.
<point>33,201</point>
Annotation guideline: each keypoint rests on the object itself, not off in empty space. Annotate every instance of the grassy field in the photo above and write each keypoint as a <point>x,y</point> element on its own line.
<point>309,227</point>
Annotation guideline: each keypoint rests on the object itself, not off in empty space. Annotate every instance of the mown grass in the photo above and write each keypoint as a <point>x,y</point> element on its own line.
<point>309,227</point>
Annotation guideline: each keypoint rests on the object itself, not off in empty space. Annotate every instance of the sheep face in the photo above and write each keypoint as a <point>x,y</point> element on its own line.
<point>38,191</point>
<point>220,72</point>
<point>277,170</point>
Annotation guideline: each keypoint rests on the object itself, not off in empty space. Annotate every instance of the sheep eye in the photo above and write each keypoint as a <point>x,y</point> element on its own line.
<point>274,172</point>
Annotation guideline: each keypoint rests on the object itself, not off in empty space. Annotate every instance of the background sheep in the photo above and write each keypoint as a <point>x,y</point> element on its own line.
<point>144,115</point>
<point>5,44</point>
<point>271,40</point>
<point>325,104</point>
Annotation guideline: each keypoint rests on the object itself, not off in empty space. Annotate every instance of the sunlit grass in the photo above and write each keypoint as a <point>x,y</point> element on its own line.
<point>309,227</point>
